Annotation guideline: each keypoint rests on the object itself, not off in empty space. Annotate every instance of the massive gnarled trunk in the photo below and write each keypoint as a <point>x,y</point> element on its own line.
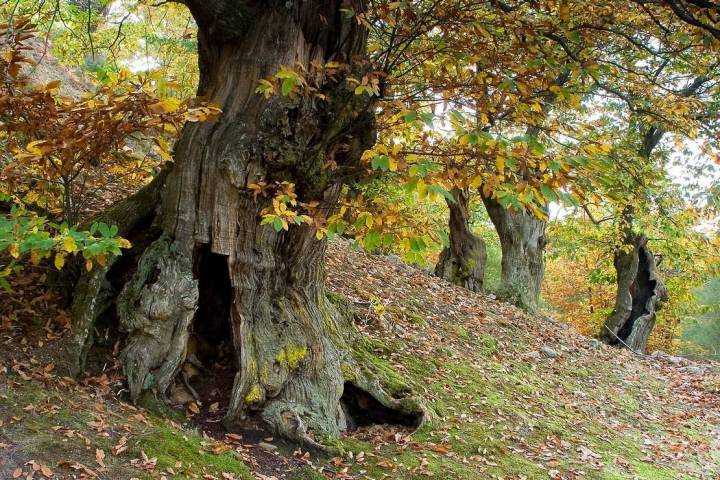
<point>462,262</point>
<point>640,294</point>
<point>522,241</point>
<point>290,343</point>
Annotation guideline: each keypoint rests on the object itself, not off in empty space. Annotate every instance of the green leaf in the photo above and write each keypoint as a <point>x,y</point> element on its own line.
<point>381,162</point>
<point>427,118</point>
<point>548,193</point>
<point>287,86</point>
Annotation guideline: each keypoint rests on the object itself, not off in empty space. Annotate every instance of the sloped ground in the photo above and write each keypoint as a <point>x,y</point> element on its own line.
<point>512,396</point>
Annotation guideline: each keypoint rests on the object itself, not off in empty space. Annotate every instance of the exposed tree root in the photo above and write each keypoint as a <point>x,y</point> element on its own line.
<point>94,294</point>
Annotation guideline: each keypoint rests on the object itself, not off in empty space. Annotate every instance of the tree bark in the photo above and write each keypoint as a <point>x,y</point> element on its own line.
<point>640,292</point>
<point>462,262</point>
<point>522,242</point>
<point>292,346</point>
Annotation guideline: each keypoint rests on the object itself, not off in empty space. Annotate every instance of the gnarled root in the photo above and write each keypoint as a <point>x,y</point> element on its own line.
<point>156,308</point>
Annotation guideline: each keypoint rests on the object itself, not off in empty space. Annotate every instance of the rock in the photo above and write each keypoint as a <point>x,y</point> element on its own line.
<point>268,447</point>
<point>549,352</point>
<point>492,296</point>
<point>595,343</point>
<point>394,259</point>
<point>179,395</point>
<point>660,355</point>
<point>535,355</point>
<point>693,369</point>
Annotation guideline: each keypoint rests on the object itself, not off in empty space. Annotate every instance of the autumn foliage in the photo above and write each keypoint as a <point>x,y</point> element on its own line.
<point>65,158</point>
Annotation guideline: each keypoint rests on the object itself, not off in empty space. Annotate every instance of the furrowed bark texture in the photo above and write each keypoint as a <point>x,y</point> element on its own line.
<point>640,294</point>
<point>522,241</point>
<point>290,343</point>
<point>463,261</point>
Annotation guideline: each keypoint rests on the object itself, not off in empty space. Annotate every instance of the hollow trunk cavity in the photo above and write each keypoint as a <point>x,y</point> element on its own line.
<point>640,294</point>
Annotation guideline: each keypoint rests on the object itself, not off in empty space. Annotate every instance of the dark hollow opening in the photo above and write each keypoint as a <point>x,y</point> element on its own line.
<point>211,328</point>
<point>362,409</point>
<point>209,369</point>
<point>641,290</point>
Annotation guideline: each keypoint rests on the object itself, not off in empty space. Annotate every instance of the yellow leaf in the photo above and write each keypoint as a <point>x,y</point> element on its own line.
<point>392,164</point>
<point>88,264</point>
<point>59,260</point>
<point>54,85</point>
<point>421,189</point>
<point>367,155</point>
<point>165,105</point>
<point>35,256</point>
<point>15,250</point>
<point>564,11</point>
<point>33,147</point>
<point>500,164</point>
<point>69,245</point>
<point>476,181</point>
<point>124,243</point>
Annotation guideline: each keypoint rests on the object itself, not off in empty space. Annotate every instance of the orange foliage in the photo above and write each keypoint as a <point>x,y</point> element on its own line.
<point>573,298</point>
<point>63,149</point>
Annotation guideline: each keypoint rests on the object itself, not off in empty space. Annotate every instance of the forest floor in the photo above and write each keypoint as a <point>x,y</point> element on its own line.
<point>512,396</point>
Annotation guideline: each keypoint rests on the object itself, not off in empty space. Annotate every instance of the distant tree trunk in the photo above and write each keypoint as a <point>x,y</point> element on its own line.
<point>640,292</point>
<point>462,262</point>
<point>522,235</point>
<point>522,241</point>
<point>291,344</point>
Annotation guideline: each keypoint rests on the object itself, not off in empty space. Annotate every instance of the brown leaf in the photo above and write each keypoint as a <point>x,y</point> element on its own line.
<point>100,456</point>
<point>440,449</point>
<point>120,447</point>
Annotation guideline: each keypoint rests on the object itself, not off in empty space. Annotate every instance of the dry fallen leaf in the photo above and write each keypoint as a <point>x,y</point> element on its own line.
<point>100,457</point>
<point>120,447</point>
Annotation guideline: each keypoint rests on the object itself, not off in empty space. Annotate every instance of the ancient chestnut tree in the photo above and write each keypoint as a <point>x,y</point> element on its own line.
<point>197,232</point>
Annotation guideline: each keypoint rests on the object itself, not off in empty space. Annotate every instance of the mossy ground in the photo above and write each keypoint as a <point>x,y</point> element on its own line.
<point>499,408</point>
<point>64,429</point>
<point>504,410</point>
